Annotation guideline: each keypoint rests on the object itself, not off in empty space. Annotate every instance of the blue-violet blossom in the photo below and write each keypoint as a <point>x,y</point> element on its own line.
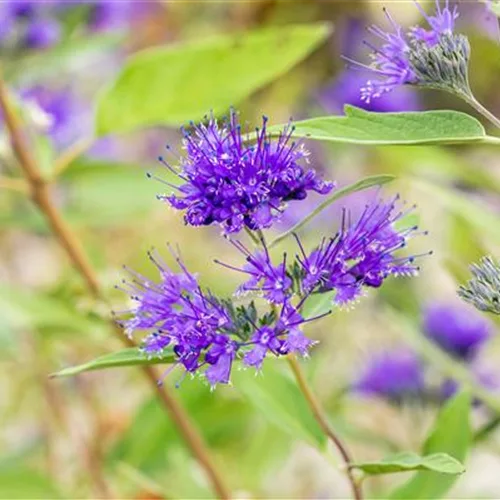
<point>204,331</point>
<point>433,57</point>
<point>234,184</point>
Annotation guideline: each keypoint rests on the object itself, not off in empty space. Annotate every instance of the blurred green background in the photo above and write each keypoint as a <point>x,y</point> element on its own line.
<point>65,438</point>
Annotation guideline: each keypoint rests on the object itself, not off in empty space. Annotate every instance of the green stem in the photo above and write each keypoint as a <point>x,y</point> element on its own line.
<point>319,415</point>
<point>474,103</point>
<point>252,236</point>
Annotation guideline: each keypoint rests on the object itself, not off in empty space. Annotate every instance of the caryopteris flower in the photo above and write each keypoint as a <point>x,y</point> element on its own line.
<point>483,290</point>
<point>363,253</point>
<point>238,184</point>
<point>206,333</point>
<point>458,329</point>
<point>434,57</point>
<point>396,375</point>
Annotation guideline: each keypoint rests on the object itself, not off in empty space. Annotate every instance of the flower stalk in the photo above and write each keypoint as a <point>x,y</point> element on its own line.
<point>319,415</point>
<point>40,194</point>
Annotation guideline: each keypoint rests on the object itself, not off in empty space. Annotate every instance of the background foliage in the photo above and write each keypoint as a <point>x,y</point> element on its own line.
<point>135,86</point>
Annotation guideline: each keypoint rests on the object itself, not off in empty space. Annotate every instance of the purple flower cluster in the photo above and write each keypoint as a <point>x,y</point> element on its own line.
<point>393,62</point>
<point>237,185</point>
<point>362,254</point>
<point>204,331</point>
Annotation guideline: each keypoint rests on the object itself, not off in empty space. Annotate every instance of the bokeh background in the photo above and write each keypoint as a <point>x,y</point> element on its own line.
<point>104,433</point>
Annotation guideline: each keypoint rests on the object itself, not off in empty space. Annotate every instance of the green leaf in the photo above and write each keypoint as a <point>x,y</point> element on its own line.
<point>474,212</point>
<point>22,309</point>
<point>452,435</point>
<point>277,397</point>
<point>23,482</point>
<point>365,127</point>
<point>127,357</point>
<point>171,85</point>
<point>366,183</point>
<point>404,462</point>
<point>318,304</point>
<point>104,193</point>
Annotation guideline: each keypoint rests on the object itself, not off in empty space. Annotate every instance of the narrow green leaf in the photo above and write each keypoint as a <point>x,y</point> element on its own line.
<point>127,357</point>
<point>171,85</point>
<point>474,212</point>
<point>365,127</point>
<point>277,397</point>
<point>451,434</point>
<point>318,304</point>
<point>367,182</point>
<point>404,462</point>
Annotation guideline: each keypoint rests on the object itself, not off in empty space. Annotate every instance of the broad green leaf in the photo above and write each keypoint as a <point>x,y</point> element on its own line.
<point>104,193</point>
<point>278,398</point>
<point>23,482</point>
<point>127,357</point>
<point>452,435</point>
<point>174,84</point>
<point>404,462</point>
<point>365,127</point>
<point>366,183</point>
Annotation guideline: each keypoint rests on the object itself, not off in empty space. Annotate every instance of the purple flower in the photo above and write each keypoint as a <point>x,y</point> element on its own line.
<point>281,338</point>
<point>407,58</point>
<point>193,322</point>
<point>395,375</point>
<point>345,90</point>
<point>362,254</point>
<point>235,184</point>
<point>272,281</point>
<point>203,331</point>
<point>42,33</point>
<point>457,328</point>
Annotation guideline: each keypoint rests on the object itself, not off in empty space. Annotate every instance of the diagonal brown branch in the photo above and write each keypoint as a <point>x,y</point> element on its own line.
<point>40,193</point>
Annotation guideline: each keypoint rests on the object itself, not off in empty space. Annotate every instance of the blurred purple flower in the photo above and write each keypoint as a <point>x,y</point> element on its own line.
<point>237,185</point>
<point>457,328</point>
<point>396,375</point>
<point>114,15</point>
<point>42,33</point>
<point>66,116</point>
